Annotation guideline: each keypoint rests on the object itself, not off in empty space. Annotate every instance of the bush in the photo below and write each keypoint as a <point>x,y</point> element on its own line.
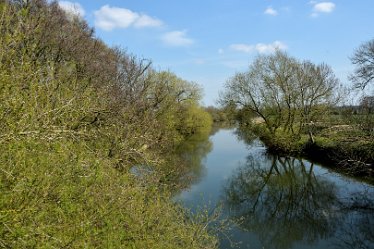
<point>75,116</point>
<point>65,194</point>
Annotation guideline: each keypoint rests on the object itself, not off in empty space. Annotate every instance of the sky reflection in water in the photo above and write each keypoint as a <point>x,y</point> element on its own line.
<point>280,202</point>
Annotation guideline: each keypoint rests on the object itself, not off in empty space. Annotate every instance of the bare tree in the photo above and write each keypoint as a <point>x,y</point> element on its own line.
<point>363,58</point>
<point>317,89</point>
<point>265,89</point>
<point>283,91</point>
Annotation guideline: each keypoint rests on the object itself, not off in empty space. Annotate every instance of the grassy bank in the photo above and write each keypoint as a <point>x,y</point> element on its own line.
<point>343,148</point>
<point>348,150</point>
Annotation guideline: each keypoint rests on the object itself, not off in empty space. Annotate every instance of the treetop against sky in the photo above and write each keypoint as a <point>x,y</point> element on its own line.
<point>208,41</point>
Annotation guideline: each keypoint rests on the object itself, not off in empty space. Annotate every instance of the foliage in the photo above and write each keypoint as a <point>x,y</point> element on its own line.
<point>176,104</point>
<point>296,112</point>
<point>218,115</point>
<point>67,194</point>
<point>225,115</point>
<point>75,116</point>
<point>285,93</point>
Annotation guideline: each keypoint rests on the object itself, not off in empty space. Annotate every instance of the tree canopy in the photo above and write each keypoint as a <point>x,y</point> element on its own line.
<point>363,59</point>
<point>283,91</point>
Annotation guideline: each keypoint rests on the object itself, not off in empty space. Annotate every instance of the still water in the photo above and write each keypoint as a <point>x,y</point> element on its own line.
<point>267,201</point>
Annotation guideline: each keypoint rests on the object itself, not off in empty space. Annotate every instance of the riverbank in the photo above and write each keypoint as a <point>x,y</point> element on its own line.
<point>76,115</point>
<point>342,150</point>
<point>66,194</point>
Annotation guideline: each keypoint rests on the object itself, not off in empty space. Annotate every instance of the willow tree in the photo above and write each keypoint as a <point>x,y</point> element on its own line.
<point>176,104</point>
<point>286,93</point>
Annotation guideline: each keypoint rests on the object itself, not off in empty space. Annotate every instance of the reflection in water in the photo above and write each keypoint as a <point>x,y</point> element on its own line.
<point>273,201</point>
<point>188,156</point>
<point>246,135</point>
<point>282,201</point>
<point>358,229</point>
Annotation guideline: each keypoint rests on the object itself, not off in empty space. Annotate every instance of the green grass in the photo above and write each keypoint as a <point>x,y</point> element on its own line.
<point>347,148</point>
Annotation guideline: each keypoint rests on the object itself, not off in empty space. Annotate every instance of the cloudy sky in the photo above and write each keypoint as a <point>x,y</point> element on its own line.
<point>207,41</point>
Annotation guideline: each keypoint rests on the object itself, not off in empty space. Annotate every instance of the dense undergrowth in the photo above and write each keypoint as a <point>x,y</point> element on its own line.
<point>63,194</point>
<point>75,116</point>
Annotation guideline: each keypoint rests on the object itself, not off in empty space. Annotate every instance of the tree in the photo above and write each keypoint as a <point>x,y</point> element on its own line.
<point>317,89</point>
<point>367,102</point>
<point>283,91</point>
<point>75,117</point>
<point>266,89</point>
<point>366,119</point>
<point>363,59</point>
<point>176,103</point>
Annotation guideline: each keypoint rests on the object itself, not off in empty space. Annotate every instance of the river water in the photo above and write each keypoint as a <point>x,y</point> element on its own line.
<point>258,200</point>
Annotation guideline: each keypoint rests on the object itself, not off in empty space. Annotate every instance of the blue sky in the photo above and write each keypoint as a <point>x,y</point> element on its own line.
<point>207,41</point>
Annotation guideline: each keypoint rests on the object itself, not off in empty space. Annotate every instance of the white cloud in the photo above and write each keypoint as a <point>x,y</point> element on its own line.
<point>242,48</point>
<point>270,11</point>
<point>72,8</point>
<point>261,48</point>
<point>221,51</point>
<point>326,7</point>
<point>109,18</point>
<point>322,7</point>
<point>270,48</point>
<point>177,39</point>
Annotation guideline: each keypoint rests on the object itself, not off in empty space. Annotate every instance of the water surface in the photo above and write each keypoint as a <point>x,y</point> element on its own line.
<point>269,201</point>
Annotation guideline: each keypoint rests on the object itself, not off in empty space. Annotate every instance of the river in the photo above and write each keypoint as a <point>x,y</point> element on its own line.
<point>264,201</point>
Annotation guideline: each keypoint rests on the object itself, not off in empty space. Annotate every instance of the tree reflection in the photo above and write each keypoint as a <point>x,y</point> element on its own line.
<point>281,200</point>
<point>246,135</point>
<point>357,230</point>
<point>188,156</point>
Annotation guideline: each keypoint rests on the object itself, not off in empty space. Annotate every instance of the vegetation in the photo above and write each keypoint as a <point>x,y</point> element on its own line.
<point>284,200</point>
<point>363,58</point>
<point>288,95</point>
<point>75,117</point>
<point>293,107</point>
<point>225,116</point>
